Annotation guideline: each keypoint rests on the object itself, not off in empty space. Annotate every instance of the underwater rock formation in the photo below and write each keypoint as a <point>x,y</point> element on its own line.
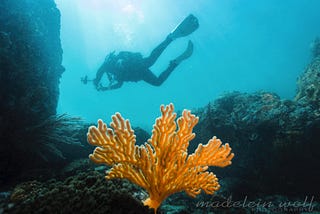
<point>31,57</point>
<point>276,142</point>
<point>308,93</point>
<point>30,69</point>
<point>316,48</point>
<point>89,192</point>
<point>86,192</point>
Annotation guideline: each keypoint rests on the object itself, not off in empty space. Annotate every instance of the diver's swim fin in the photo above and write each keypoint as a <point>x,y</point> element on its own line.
<point>185,28</point>
<point>186,54</point>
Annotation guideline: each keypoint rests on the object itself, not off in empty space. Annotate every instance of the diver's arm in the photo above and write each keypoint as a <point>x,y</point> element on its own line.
<point>111,87</point>
<point>99,75</point>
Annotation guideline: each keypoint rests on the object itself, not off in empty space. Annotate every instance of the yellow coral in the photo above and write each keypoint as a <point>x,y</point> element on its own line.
<point>161,166</point>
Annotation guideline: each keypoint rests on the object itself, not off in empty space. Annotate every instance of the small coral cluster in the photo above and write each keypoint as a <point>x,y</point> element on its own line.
<point>161,166</point>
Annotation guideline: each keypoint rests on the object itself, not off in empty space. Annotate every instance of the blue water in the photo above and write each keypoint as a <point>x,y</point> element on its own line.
<point>241,45</point>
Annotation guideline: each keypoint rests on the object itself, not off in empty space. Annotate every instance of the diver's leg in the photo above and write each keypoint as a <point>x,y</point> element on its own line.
<point>150,78</point>
<point>150,60</point>
<point>186,54</point>
<point>165,74</point>
<point>186,27</point>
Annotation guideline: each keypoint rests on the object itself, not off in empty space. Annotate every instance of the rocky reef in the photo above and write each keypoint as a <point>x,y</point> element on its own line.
<point>30,70</point>
<point>315,48</point>
<point>31,57</point>
<point>85,192</point>
<point>309,85</point>
<point>275,142</point>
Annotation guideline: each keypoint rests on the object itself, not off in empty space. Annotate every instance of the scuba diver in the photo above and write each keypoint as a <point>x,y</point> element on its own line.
<point>130,66</point>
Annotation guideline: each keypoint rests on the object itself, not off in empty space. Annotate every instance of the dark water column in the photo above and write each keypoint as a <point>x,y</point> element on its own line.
<point>30,69</point>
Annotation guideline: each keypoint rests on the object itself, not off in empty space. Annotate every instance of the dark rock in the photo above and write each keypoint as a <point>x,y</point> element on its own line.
<point>268,136</point>
<point>308,92</point>
<point>30,71</point>
<point>316,48</point>
<point>141,135</point>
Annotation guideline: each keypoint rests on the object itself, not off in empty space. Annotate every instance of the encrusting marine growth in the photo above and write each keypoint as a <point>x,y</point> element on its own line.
<point>162,165</point>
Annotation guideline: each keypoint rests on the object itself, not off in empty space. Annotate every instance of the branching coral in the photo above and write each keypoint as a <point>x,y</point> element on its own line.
<point>161,166</point>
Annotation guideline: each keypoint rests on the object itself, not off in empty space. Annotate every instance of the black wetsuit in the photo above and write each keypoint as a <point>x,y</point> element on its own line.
<point>131,66</point>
